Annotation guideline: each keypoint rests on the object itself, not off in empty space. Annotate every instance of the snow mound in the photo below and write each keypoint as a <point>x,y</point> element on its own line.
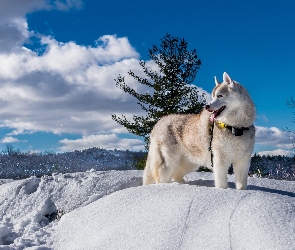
<point>28,207</point>
<point>172,216</point>
<point>112,210</point>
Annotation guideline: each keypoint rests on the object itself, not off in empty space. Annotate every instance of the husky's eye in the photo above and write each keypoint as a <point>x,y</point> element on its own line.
<point>219,96</point>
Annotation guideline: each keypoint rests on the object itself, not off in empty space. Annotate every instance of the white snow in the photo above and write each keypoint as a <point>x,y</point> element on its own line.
<point>112,210</point>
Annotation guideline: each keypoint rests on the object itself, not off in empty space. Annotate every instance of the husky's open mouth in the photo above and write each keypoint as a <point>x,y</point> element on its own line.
<point>216,113</point>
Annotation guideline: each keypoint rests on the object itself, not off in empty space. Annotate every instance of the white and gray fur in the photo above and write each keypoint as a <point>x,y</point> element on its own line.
<point>179,143</point>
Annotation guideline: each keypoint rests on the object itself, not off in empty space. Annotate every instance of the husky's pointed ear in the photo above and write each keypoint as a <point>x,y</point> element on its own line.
<point>228,80</point>
<point>216,81</point>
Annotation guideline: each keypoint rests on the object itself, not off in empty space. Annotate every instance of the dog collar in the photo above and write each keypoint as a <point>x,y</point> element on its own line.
<point>234,131</point>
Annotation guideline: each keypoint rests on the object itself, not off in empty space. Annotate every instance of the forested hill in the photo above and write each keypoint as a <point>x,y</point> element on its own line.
<point>17,165</point>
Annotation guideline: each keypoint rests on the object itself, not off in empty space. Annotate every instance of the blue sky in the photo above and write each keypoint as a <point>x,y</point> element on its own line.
<point>58,60</point>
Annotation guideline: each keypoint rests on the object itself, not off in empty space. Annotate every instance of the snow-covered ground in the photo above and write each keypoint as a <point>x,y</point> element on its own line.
<point>112,210</point>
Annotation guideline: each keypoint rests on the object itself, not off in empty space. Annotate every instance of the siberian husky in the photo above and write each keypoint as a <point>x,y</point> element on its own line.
<point>179,143</point>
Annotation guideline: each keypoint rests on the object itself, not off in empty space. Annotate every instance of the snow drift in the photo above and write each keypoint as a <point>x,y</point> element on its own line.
<point>111,210</point>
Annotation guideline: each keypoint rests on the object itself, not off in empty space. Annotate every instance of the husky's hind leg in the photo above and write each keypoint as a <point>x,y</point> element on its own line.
<point>165,173</point>
<point>161,164</point>
<point>183,169</point>
<point>170,165</point>
<point>178,177</point>
<point>148,177</point>
<point>154,163</point>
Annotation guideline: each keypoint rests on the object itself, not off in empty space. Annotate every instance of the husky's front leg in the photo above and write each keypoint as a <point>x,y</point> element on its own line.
<point>220,170</point>
<point>241,169</point>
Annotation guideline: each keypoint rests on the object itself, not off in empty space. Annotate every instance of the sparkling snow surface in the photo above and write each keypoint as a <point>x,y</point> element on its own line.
<point>112,210</point>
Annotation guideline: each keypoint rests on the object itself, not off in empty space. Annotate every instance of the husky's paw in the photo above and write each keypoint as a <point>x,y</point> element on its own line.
<point>179,180</point>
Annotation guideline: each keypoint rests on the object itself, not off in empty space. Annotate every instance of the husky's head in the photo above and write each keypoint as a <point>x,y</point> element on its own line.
<point>230,101</point>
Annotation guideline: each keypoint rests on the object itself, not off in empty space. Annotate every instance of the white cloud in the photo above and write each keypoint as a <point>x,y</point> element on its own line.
<point>273,137</point>
<point>106,141</point>
<point>13,26</point>
<point>278,152</point>
<point>68,88</point>
<point>10,139</point>
<point>13,34</point>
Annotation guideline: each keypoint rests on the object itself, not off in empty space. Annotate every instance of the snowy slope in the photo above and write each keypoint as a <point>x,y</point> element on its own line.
<point>111,210</point>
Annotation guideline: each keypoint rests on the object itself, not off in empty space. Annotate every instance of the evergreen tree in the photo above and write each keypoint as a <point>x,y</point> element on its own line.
<point>172,92</point>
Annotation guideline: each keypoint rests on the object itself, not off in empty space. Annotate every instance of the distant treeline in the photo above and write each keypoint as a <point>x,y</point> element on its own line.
<point>17,165</point>
<point>273,167</point>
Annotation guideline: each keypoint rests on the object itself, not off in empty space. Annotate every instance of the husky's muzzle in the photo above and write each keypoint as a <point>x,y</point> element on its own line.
<point>215,113</point>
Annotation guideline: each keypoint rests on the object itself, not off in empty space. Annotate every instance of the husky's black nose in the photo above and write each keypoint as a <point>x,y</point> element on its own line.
<point>207,107</point>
